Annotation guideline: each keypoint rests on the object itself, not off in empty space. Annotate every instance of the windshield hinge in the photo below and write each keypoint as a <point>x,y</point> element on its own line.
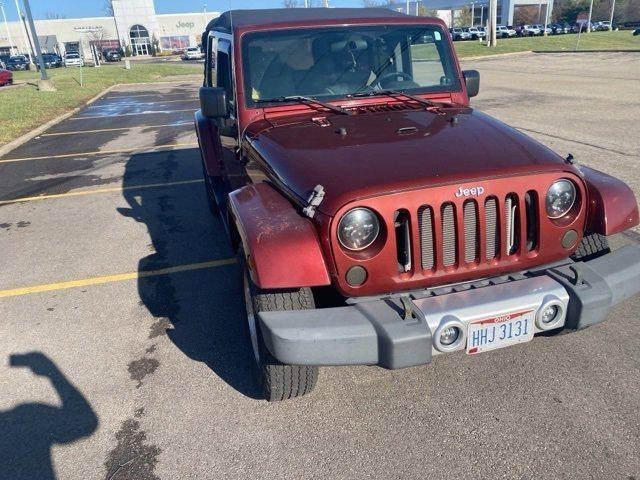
<point>315,199</point>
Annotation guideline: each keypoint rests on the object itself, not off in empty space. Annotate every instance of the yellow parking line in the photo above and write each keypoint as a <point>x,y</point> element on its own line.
<point>145,103</point>
<point>130,114</point>
<point>85,282</point>
<point>99,190</point>
<point>100,152</point>
<point>114,129</point>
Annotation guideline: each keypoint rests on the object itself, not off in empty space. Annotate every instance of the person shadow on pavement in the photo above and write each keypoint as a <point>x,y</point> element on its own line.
<point>200,310</point>
<point>29,430</point>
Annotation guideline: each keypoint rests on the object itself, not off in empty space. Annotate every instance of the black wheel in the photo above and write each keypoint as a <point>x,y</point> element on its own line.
<point>592,246</point>
<point>278,381</point>
<point>211,197</point>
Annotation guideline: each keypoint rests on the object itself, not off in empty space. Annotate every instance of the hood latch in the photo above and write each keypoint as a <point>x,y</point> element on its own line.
<point>315,199</point>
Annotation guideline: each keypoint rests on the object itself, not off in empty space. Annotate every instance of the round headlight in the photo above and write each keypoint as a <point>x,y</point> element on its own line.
<point>560,198</point>
<point>358,229</point>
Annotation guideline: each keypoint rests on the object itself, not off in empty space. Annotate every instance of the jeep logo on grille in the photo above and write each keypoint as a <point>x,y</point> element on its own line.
<point>469,192</point>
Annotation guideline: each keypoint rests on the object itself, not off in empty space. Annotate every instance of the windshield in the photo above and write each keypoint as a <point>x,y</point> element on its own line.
<point>337,62</point>
<point>72,55</point>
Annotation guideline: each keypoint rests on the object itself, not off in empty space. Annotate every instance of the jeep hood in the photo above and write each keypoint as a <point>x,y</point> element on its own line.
<point>371,154</point>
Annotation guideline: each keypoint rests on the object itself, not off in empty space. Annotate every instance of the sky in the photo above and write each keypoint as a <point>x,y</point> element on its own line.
<point>95,8</point>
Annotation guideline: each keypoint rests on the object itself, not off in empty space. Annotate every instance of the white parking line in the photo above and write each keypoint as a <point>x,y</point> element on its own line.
<point>115,129</point>
<point>146,112</point>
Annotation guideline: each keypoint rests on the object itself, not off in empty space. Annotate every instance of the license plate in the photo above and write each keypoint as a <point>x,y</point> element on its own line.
<point>500,331</point>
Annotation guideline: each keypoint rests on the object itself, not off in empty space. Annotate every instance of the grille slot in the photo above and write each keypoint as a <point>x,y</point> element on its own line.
<point>470,211</point>
<point>403,239</point>
<point>511,223</point>
<point>531,202</point>
<point>492,236</point>
<point>425,221</point>
<point>449,237</point>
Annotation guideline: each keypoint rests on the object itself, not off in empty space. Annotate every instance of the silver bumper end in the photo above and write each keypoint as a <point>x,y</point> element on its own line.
<point>379,331</point>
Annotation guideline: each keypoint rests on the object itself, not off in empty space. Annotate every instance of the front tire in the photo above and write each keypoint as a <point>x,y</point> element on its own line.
<point>591,246</point>
<point>277,380</point>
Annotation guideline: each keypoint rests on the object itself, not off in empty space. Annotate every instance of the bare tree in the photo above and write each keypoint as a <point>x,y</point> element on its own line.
<point>54,16</point>
<point>371,3</point>
<point>98,35</point>
<point>107,8</point>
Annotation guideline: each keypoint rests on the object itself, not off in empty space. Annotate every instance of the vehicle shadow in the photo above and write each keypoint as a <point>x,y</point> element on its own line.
<point>200,309</point>
<point>29,430</point>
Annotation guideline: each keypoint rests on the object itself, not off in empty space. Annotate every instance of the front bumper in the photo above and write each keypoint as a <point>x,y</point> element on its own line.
<point>397,331</point>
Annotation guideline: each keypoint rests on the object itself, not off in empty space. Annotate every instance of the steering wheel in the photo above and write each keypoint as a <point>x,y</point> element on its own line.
<point>394,75</point>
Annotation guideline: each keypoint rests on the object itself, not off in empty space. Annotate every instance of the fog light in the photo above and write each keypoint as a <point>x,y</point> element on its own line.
<point>549,314</point>
<point>449,336</point>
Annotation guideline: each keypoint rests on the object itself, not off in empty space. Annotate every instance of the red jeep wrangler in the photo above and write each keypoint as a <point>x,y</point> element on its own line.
<point>378,219</point>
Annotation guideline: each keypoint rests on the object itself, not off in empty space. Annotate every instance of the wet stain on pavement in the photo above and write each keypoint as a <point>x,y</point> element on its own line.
<point>132,458</point>
<point>5,226</point>
<point>138,369</point>
<point>23,224</point>
<point>160,328</point>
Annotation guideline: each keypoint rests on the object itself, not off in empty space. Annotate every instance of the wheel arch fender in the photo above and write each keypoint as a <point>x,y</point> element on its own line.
<point>612,204</point>
<point>281,246</point>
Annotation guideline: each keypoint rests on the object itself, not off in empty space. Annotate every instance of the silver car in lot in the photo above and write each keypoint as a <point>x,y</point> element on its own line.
<point>458,33</point>
<point>505,32</point>
<point>477,33</point>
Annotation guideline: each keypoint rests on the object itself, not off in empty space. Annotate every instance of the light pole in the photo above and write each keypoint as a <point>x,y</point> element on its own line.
<point>481,15</point>
<point>473,13</point>
<point>546,15</point>
<point>589,21</point>
<point>613,6</point>
<point>493,14</point>
<point>6,26</point>
<point>44,84</point>
<point>24,32</point>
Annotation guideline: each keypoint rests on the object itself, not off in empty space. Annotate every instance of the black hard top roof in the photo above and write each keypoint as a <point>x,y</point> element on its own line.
<point>242,18</point>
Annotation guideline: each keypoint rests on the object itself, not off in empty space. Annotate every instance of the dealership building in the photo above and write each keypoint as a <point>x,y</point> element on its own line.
<point>134,23</point>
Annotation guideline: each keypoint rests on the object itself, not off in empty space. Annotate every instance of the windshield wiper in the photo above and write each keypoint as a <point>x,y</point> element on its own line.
<point>303,99</point>
<point>391,92</point>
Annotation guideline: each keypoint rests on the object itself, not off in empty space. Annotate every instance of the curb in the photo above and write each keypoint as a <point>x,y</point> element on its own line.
<point>629,50</point>
<point>21,140</point>
<point>495,55</point>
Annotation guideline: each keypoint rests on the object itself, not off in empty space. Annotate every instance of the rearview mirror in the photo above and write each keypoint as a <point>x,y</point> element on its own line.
<point>472,81</point>
<point>213,102</point>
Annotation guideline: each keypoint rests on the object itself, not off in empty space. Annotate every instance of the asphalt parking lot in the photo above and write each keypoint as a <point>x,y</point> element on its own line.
<point>122,286</point>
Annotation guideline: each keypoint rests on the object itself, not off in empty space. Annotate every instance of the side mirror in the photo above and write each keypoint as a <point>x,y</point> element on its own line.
<point>213,102</point>
<point>472,81</point>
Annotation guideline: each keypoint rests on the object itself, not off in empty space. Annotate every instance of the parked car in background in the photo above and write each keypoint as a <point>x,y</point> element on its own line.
<point>111,55</point>
<point>604,26</point>
<point>458,33</point>
<point>505,32</point>
<point>73,59</point>
<point>525,30</point>
<point>17,63</point>
<point>193,53</point>
<point>582,27</point>
<point>543,29</point>
<point>560,28</point>
<point>636,32</point>
<point>476,33</point>
<point>6,77</point>
<point>51,60</point>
